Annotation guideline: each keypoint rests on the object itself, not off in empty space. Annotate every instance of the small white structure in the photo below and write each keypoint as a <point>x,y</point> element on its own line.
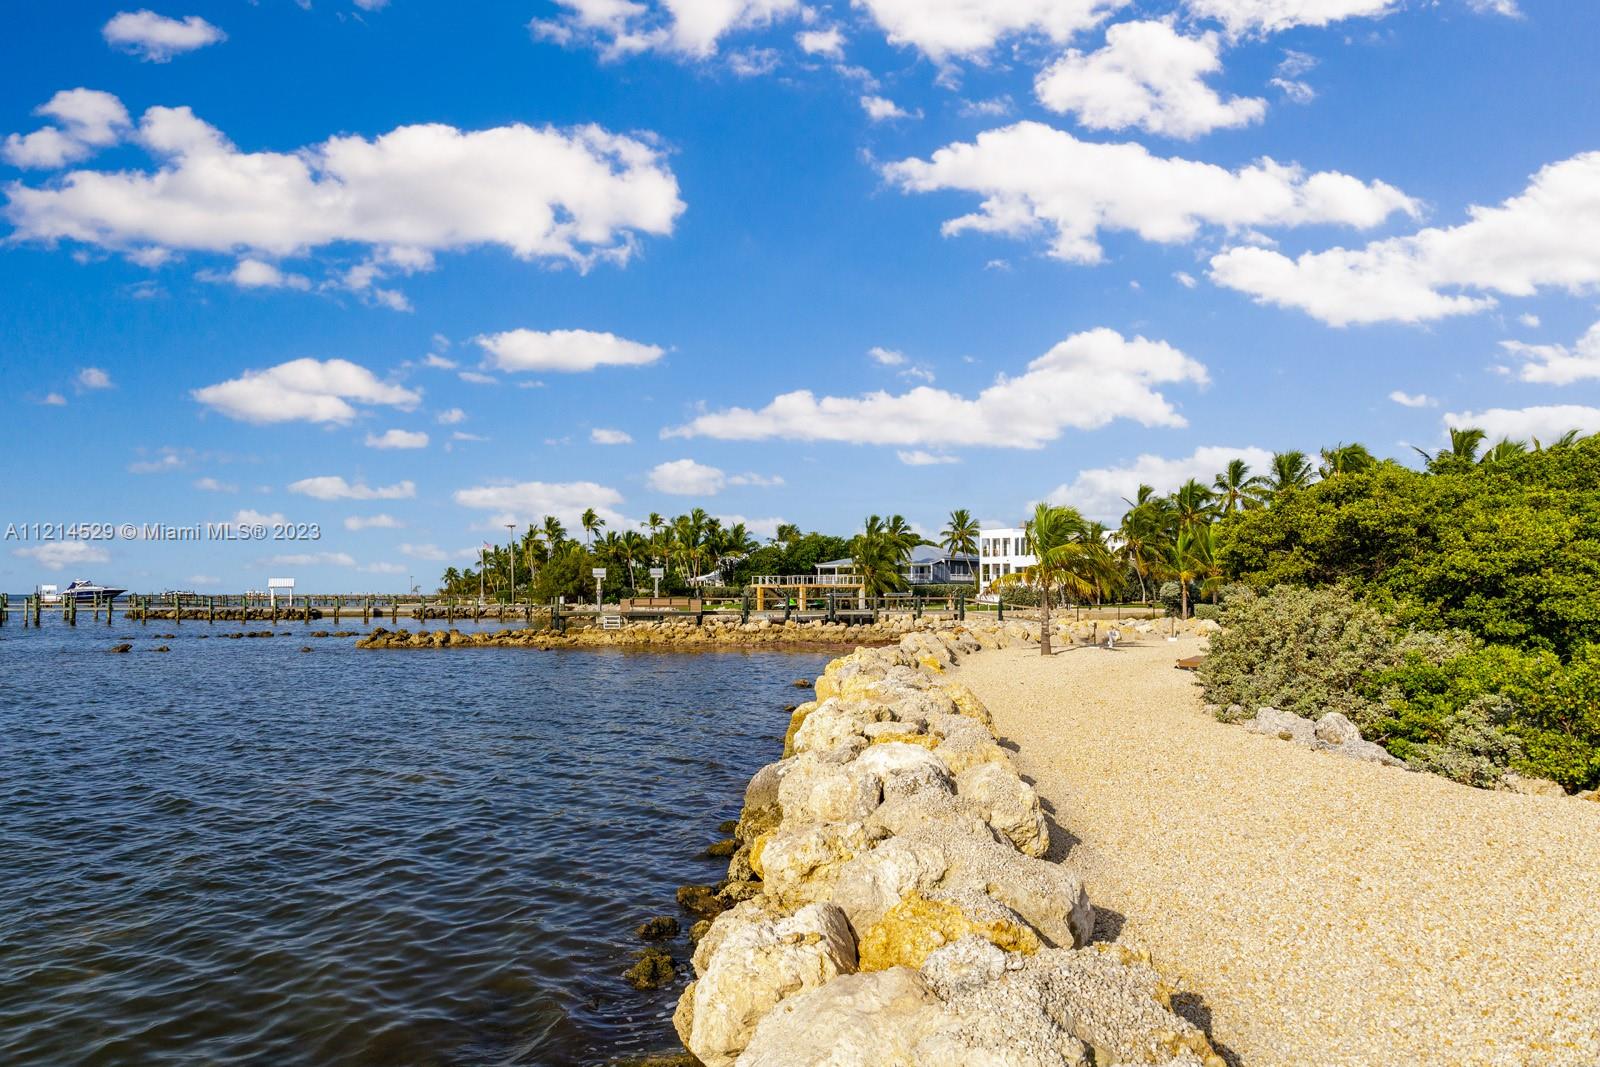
<point>283,587</point>
<point>1001,552</point>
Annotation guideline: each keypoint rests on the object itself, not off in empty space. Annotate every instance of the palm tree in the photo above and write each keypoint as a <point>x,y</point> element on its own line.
<point>555,534</point>
<point>633,546</point>
<point>1503,450</point>
<point>1346,459</point>
<point>1184,563</point>
<point>786,534</point>
<point>1068,559</point>
<point>1139,539</point>
<point>961,536</point>
<point>591,523</point>
<point>878,554</point>
<point>1192,504</point>
<point>1290,470</point>
<point>1237,490</point>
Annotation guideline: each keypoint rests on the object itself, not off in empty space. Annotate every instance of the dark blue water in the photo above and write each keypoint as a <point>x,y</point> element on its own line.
<point>239,853</point>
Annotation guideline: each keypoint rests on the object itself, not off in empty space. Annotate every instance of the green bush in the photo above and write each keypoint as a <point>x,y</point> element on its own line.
<point>1208,611</point>
<point>1311,651</point>
<point>1444,702</point>
<point>1508,551</point>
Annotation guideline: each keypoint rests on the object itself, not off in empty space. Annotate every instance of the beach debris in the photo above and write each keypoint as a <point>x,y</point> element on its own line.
<point>660,928</point>
<point>1190,663</point>
<point>654,969</point>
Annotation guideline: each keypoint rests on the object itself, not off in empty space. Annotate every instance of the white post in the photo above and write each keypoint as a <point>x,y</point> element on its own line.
<point>599,577</point>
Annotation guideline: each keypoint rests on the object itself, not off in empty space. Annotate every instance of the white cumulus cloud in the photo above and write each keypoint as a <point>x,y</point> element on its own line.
<point>157,38</point>
<point>685,477</point>
<point>334,487</point>
<point>250,273</point>
<point>688,27</point>
<point>89,119</point>
<point>944,29</point>
<point>1036,178</point>
<point>305,390</point>
<point>1100,492</point>
<point>918,457</point>
<point>1558,364</point>
<point>574,197</point>
<point>1082,383</point>
<point>372,522</point>
<point>882,109</point>
<point>1546,422</point>
<point>1274,16</point>
<point>530,502</point>
<point>564,351</point>
<point>1147,76</point>
<point>395,439</point>
<point>93,378</point>
<point>1412,400</point>
<point>828,43</point>
<point>1546,237</point>
<point>601,436</point>
<point>59,555</point>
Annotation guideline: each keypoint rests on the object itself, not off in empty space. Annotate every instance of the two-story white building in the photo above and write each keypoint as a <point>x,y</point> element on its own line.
<point>1000,552</point>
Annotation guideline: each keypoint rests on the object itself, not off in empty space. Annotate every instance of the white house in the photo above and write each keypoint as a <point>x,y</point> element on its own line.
<point>1000,552</point>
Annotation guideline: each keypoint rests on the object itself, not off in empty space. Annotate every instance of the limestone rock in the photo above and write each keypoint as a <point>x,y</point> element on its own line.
<point>1334,729</point>
<point>1370,752</point>
<point>1008,804</point>
<point>1533,787</point>
<point>829,792</point>
<point>963,965</point>
<point>1284,725</point>
<point>918,925</point>
<point>859,1020</point>
<point>749,961</point>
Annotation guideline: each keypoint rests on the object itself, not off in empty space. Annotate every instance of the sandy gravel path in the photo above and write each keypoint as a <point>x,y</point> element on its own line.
<point>1327,911</point>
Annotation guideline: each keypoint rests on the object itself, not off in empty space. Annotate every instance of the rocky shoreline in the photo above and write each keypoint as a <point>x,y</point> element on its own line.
<point>887,902</point>
<point>680,636</point>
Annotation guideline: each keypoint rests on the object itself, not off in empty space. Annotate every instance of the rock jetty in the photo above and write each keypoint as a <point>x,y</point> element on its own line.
<point>888,903</point>
<point>675,636</point>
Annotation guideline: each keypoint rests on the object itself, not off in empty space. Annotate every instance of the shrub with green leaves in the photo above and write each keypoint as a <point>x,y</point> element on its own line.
<point>1445,703</point>
<point>1311,651</point>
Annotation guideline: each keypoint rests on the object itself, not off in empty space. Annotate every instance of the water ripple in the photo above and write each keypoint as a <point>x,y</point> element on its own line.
<point>235,853</point>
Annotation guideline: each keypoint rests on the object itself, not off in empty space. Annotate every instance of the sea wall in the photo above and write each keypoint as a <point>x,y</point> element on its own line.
<point>888,903</point>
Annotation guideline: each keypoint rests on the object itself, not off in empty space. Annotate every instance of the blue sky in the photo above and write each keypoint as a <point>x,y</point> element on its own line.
<point>806,261</point>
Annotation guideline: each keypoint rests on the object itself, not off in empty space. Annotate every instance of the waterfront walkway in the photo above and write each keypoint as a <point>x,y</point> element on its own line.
<point>1325,911</point>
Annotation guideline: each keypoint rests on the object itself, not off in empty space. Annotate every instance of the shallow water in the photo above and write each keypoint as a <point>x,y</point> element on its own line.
<point>235,852</point>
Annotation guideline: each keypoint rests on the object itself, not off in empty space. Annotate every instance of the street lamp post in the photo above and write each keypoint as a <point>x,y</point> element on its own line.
<point>511,546</point>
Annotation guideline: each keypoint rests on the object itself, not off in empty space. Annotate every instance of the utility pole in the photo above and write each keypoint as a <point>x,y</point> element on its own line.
<point>482,563</point>
<point>511,531</point>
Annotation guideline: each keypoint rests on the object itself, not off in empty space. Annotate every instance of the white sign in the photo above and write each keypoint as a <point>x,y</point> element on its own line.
<point>599,572</point>
<point>280,583</point>
<point>658,572</point>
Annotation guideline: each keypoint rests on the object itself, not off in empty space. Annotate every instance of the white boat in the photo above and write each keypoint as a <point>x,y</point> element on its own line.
<point>81,590</point>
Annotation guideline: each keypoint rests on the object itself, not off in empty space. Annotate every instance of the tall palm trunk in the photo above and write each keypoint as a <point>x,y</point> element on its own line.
<point>1044,626</point>
<point>1183,599</point>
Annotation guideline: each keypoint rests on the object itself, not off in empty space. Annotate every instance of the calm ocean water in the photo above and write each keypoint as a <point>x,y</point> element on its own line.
<point>237,853</point>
